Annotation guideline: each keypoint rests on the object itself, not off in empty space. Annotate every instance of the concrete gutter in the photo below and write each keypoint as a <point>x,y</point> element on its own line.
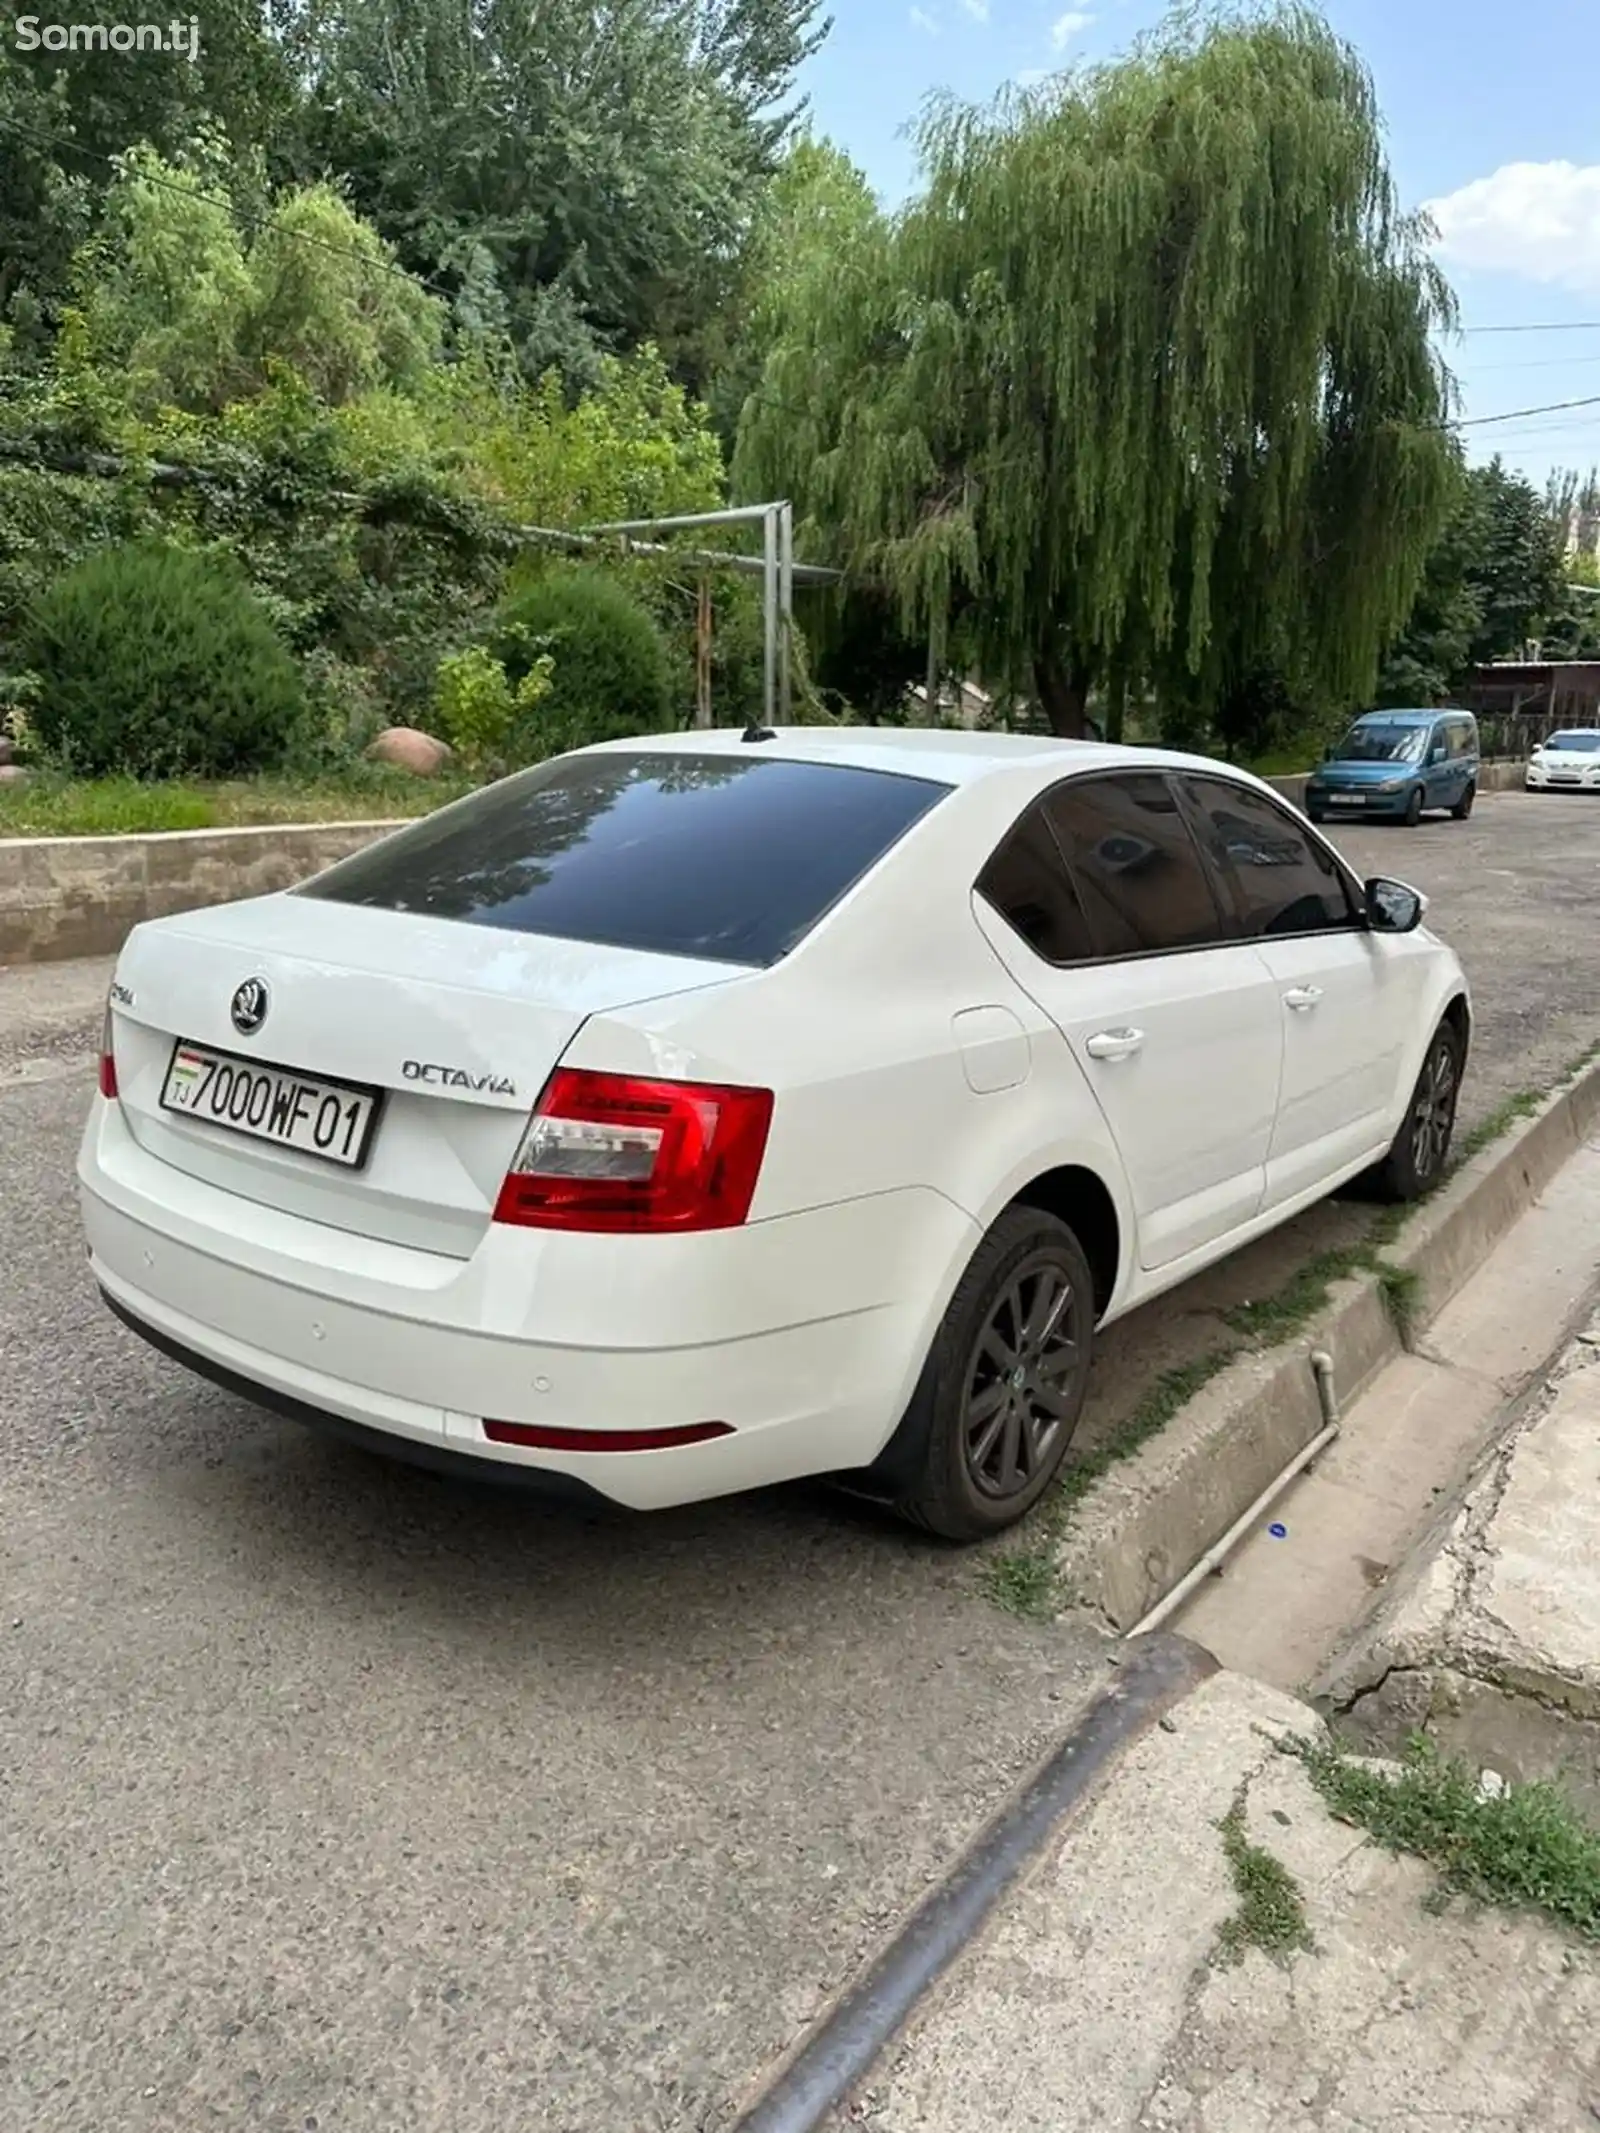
<point>1143,1525</point>
<point>62,897</point>
<point>1154,1674</point>
<point>1488,1643</point>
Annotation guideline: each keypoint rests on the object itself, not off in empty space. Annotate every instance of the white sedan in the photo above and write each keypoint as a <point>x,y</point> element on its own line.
<point>1566,762</point>
<point>694,1113</point>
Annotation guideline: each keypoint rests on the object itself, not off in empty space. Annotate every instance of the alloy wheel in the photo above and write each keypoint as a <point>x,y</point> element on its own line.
<point>1022,1379</point>
<point>1433,1110</point>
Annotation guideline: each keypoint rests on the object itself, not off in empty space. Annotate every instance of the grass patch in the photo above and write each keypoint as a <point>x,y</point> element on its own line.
<point>1272,1912</point>
<point>51,806</point>
<point>1520,1106</point>
<point>1027,1581</point>
<point>1270,1319</point>
<point>1528,1847</point>
<point>1024,1581</point>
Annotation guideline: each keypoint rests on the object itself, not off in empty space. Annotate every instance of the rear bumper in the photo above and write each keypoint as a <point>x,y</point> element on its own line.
<point>437,1458</point>
<point>804,1334</point>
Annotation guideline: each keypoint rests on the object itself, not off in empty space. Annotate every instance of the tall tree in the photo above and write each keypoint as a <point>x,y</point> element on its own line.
<point>1492,580</point>
<point>63,114</point>
<point>1142,382</point>
<point>582,172</point>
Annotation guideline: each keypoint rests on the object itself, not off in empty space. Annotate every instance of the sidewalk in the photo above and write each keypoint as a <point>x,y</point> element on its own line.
<point>1102,1999</point>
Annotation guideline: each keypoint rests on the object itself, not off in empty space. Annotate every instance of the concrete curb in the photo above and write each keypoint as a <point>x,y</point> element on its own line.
<point>62,897</point>
<point>1143,1525</point>
<point>841,2049</point>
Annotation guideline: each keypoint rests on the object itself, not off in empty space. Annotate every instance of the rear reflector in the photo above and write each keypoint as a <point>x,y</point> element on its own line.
<point>612,1152</point>
<point>108,1064</point>
<point>603,1440</point>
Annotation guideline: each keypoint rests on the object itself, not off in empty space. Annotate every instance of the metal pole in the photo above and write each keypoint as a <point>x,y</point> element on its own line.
<point>745,512</point>
<point>769,589</point>
<point>785,606</point>
<point>702,651</point>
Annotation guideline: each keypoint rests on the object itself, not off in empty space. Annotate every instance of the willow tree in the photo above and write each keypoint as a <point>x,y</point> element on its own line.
<point>1141,385</point>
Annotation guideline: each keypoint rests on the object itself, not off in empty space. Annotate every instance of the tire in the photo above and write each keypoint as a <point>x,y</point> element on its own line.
<point>1413,814</point>
<point>1463,806</point>
<point>990,1444</point>
<point>1316,815</point>
<point>1416,1159</point>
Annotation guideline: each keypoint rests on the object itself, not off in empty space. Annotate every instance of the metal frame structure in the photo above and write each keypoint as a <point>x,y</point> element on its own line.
<point>780,573</point>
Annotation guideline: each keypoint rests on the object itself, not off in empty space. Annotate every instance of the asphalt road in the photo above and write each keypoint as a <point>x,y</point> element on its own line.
<point>335,1797</point>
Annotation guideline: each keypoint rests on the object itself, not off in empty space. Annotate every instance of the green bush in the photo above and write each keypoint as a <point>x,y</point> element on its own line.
<point>610,672</point>
<point>159,662</point>
<point>480,714</point>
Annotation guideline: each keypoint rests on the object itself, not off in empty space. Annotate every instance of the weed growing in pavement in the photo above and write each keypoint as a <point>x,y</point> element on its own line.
<point>1024,1581</point>
<point>1272,1912</point>
<point>1027,1581</point>
<point>1522,1105</point>
<point>1528,1847</point>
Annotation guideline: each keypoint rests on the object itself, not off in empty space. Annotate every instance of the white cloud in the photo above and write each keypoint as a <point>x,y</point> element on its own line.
<point>977,9</point>
<point>922,20</point>
<point>1066,27</point>
<point>1539,220</point>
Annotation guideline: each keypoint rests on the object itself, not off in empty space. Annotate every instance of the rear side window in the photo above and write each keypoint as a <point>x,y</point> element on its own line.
<point>731,858</point>
<point>1284,880</point>
<point>1028,884</point>
<point>1139,877</point>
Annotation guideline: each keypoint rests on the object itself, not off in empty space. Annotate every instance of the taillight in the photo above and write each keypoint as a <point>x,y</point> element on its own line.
<point>108,1062</point>
<point>610,1152</point>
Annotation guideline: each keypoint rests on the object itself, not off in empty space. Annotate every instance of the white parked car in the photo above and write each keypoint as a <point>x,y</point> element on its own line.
<point>689,1114</point>
<point>1567,761</point>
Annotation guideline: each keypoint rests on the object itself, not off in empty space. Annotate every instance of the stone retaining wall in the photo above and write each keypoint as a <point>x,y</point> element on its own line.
<point>77,896</point>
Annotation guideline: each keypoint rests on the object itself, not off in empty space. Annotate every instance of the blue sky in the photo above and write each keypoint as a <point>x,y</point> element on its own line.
<point>1491,115</point>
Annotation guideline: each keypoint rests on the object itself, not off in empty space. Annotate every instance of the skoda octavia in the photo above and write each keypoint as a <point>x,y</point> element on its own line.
<point>690,1114</point>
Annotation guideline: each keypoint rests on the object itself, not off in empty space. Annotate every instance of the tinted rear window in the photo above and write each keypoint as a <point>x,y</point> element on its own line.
<point>732,858</point>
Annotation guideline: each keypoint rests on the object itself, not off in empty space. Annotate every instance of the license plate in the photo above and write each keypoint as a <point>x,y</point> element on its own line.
<point>1346,799</point>
<point>314,1116</point>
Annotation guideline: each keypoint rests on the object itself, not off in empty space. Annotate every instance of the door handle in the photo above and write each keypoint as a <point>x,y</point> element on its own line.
<point>1114,1043</point>
<point>1302,997</point>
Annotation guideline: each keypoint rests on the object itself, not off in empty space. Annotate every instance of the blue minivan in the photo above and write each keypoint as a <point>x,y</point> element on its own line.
<point>1396,765</point>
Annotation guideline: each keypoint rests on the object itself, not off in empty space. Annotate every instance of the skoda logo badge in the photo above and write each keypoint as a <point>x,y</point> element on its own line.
<point>249,1009</point>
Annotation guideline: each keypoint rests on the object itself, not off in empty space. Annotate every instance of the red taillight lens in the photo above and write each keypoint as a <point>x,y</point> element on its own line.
<point>609,1152</point>
<point>604,1440</point>
<point>108,1063</point>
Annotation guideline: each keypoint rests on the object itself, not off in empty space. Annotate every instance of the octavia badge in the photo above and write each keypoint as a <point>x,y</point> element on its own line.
<point>249,1009</point>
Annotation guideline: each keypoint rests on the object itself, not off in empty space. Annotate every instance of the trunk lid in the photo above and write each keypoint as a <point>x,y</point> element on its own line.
<point>457,1026</point>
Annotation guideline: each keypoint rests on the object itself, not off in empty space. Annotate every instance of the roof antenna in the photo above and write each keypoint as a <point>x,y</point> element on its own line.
<point>756,732</point>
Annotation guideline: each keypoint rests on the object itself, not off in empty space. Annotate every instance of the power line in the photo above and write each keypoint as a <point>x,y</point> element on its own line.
<point>1515,414</point>
<point>1564,325</point>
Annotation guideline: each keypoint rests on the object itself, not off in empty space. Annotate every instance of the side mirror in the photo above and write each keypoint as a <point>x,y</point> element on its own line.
<point>1437,752</point>
<point>1392,907</point>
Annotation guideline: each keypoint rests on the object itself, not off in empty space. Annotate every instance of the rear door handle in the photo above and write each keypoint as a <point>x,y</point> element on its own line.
<point>1302,997</point>
<point>1114,1043</point>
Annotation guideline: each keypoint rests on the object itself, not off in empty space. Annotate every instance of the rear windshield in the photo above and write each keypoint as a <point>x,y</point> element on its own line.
<point>1382,744</point>
<point>731,858</point>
